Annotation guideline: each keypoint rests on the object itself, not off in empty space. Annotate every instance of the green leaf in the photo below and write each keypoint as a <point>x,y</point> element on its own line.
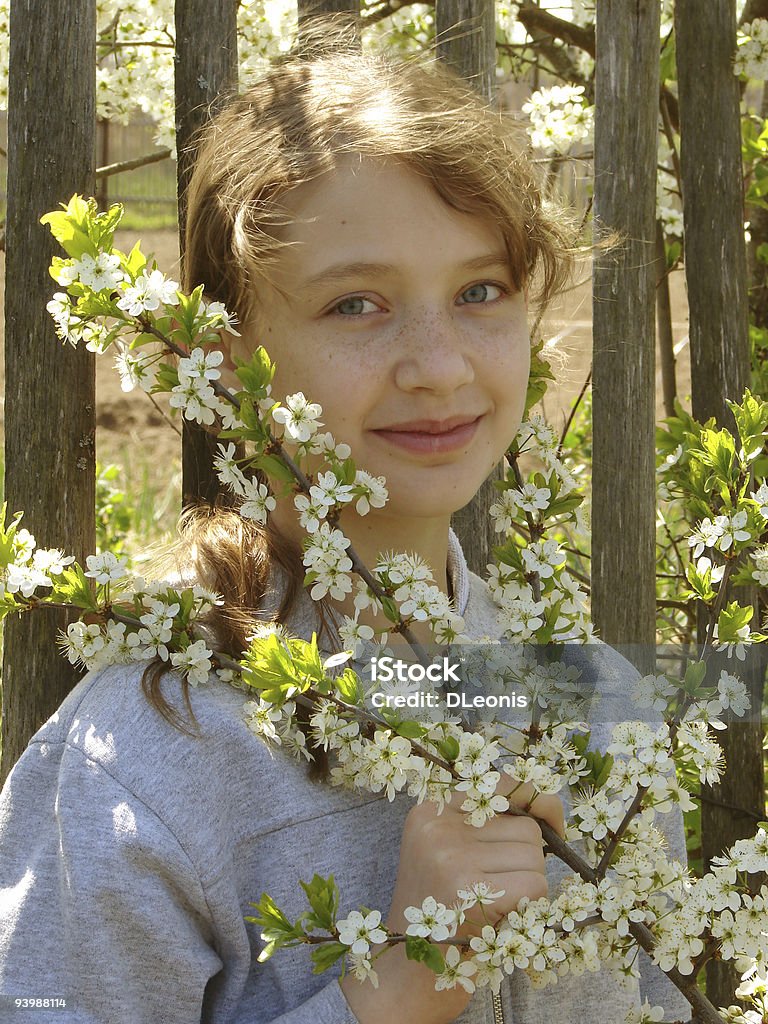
<point>276,930</point>
<point>673,251</point>
<point>257,373</point>
<point>166,378</point>
<point>323,896</point>
<point>732,618</point>
<point>410,729</point>
<point>70,226</point>
<point>449,748</point>
<point>701,582</point>
<point>694,676</point>
<point>274,467</point>
<point>562,506</point>
<point>135,262</point>
<point>347,471</point>
<point>73,587</point>
<point>8,604</point>
<point>390,609</point>
<point>325,956</point>
<point>751,416</point>
<point>7,548</point>
<point>348,686</point>
<point>668,62</point>
<point>509,554</point>
<point>417,948</point>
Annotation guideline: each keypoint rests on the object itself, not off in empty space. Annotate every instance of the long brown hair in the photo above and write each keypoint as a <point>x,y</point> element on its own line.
<point>289,128</point>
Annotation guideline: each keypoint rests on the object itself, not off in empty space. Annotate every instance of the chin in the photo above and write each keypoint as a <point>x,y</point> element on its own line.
<point>431,504</point>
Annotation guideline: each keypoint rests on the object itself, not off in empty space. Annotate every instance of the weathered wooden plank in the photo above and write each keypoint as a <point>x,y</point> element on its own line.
<point>716,278</point>
<point>50,389</point>
<point>466,38</point>
<point>205,75</point>
<point>623,483</point>
<point>465,32</point>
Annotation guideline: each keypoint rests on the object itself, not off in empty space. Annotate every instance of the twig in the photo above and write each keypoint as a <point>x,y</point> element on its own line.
<point>535,529</point>
<point>132,44</point>
<point>669,132</point>
<point>572,413</point>
<point>730,807</point>
<point>615,839</point>
<point>730,565</point>
<point>682,606</point>
<point>556,845</point>
<point>132,165</point>
<point>530,15</point>
<point>673,542</point>
<point>164,414</point>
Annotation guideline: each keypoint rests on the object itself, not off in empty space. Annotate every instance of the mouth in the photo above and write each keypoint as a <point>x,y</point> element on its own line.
<point>431,436</point>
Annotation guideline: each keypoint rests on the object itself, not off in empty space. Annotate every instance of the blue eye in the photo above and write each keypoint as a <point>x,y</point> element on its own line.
<point>477,294</point>
<point>354,306</point>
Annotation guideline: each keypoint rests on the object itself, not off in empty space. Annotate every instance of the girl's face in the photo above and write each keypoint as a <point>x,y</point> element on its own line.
<point>399,316</point>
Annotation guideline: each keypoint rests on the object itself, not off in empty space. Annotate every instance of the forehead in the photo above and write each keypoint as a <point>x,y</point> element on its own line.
<point>380,205</point>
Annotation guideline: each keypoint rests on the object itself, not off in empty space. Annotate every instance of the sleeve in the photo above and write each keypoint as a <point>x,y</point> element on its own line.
<point>99,904</point>
<point>328,1006</point>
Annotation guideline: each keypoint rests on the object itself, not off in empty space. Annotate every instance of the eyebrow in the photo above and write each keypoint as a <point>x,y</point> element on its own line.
<point>343,271</point>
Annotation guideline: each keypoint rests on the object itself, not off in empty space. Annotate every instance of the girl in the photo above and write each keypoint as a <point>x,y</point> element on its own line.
<point>376,228</point>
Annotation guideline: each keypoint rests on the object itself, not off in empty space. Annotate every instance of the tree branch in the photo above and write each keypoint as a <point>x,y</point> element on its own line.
<point>132,165</point>
<point>534,19</point>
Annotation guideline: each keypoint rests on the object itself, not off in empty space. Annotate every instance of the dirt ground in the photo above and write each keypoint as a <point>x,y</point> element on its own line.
<point>133,432</point>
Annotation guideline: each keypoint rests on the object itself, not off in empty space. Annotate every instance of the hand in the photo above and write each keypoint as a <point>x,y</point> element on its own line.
<point>440,854</point>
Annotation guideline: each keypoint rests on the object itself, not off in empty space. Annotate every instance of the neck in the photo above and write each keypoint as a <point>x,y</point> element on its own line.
<point>376,534</point>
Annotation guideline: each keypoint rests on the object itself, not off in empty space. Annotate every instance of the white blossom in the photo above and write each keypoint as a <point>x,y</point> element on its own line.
<point>135,370</point>
<point>359,932</point>
<point>258,501</point>
<point>106,567</point>
<point>456,972</point>
<point>99,273</point>
<point>147,293</point>
<point>432,920</point>
<point>559,117</point>
<point>299,417</point>
<point>194,661</point>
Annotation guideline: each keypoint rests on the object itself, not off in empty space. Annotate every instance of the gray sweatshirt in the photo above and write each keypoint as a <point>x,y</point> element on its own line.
<point>130,854</point>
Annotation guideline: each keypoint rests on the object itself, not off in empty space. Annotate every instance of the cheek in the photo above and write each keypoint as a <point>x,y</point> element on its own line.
<point>510,364</point>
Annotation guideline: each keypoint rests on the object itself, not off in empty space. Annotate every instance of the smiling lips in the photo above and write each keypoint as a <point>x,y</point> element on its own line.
<point>432,436</point>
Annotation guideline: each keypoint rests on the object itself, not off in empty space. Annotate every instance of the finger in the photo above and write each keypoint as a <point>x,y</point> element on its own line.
<point>509,828</point>
<point>497,858</point>
<point>515,884</point>
<point>549,808</point>
<point>546,806</point>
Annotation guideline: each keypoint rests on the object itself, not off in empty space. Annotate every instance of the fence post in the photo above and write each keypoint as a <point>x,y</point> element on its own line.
<point>465,32</point>
<point>205,75</point>
<point>624,287</point>
<point>50,407</point>
<point>466,39</point>
<point>309,9</point>
<point>716,276</point>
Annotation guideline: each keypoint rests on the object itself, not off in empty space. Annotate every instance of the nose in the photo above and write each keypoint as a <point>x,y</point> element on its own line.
<point>433,355</point>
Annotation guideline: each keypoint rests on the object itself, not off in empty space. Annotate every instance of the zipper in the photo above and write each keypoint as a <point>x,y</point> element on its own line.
<point>498,1009</point>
